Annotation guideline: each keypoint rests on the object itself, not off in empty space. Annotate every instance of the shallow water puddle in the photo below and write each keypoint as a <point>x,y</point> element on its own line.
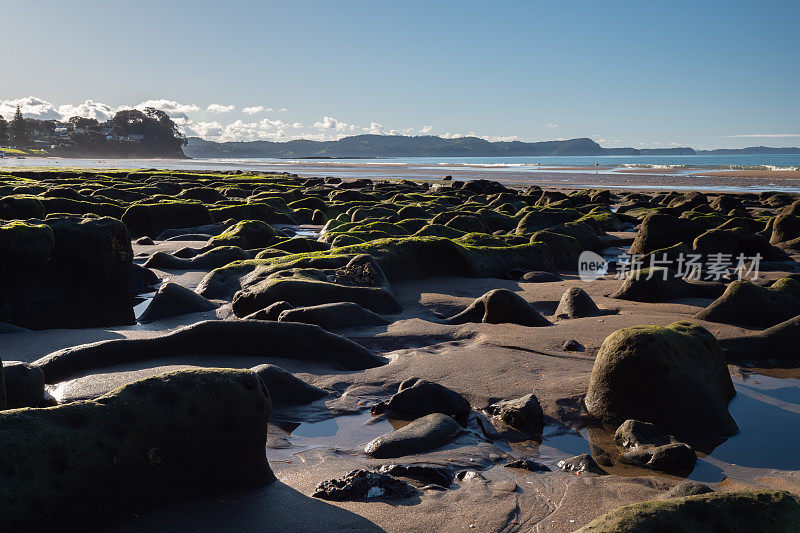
<point>351,432</point>
<point>140,307</point>
<point>766,408</point>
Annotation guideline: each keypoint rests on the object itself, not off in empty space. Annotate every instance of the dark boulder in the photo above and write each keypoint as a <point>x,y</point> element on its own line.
<point>24,384</point>
<point>500,306</point>
<point>776,303</point>
<point>154,218</point>
<point>686,488</point>
<point>285,389</point>
<point>575,303</point>
<point>364,485</point>
<point>423,434</point>
<point>762,510</point>
<point>777,342</point>
<point>636,434</point>
<point>173,300</point>
<point>672,457</point>
<point>581,464</point>
<point>662,231</point>
<point>673,376</point>
<point>659,284</point>
<point>271,312</point>
<point>524,414</point>
<point>334,316</point>
<point>416,398</point>
<point>251,338</point>
<point>538,276</point>
<point>64,464</point>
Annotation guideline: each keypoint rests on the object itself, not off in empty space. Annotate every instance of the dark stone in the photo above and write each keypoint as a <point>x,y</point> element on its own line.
<point>573,346</point>
<point>758,510</point>
<point>673,457</point>
<point>775,304</point>
<point>686,488</point>
<point>427,474</point>
<point>363,485</point>
<point>334,316</point>
<point>144,241</point>
<point>673,376</point>
<point>169,437</point>
<point>524,414</point>
<point>422,435</point>
<point>252,338</point>
<point>286,389</point>
<point>583,463</point>
<point>24,384</point>
<point>538,276</point>
<point>416,398</point>
<point>500,306</point>
<point>635,434</point>
<point>173,300</point>
<point>778,342</point>
<point>575,303</point>
<point>271,312</point>
<point>527,464</point>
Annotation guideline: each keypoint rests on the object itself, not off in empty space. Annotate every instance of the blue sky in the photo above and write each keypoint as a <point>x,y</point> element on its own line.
<point>639,73</point>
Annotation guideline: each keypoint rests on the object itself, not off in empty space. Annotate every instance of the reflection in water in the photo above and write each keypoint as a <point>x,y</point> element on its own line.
<point>766,408</point>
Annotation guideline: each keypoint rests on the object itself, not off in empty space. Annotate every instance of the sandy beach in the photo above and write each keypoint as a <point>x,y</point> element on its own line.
<point>346,241</point>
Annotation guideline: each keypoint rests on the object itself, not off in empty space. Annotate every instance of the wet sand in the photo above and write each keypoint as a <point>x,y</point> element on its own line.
<point>484,362</point>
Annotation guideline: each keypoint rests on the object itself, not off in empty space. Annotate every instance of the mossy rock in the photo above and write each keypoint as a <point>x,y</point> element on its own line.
<point>675,377</point>
<point>83,464</point>
<point>20,207</point>
<point>565,249</point>
<point>536,219</point>
<point>734,512</point>
<point>345,239</point>
<point>251,211</point>
<point>662,231</point>
<point>247,235</point>
<point>774,304</point>
<point>785,227</point>
<point>439,230</point>
<point>25,244</point>
<point>736,242</point>
<point>152,219</point>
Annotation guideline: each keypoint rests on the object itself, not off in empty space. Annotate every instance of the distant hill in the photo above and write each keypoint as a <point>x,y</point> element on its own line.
<point>373,146</point>
<point>749,151</point>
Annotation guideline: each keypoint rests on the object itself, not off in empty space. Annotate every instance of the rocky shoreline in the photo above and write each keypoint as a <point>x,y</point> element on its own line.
<point>229,350</point>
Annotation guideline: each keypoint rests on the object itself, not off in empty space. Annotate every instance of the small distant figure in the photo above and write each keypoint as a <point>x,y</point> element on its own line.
<point>448,178</point>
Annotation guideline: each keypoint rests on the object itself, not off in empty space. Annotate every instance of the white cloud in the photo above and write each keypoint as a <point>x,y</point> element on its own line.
<point>170,107</point>
<point>257,109</point>
<point>219,108</point>
<point>88,109</point>
<point>281,110</point>
<point>765,135</point>
<point>204,129</point>
<point>330,123</point>
<point>550,125</point>
<point>31,107</point>
<point>426,130</point>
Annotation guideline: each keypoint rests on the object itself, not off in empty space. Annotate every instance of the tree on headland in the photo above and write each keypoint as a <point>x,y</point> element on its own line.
<point>3,131</point>
<point>161,135</point>
<point>19,132</point>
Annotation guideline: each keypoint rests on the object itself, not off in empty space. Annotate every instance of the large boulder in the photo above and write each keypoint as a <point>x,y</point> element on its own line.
<point>565,249</point>
<point>576,303</point>
<point>524,414</point>
<point>24,384</point>
<point>173,300</point>
<point>83,464</point>
<point>777,342</point>
<point>422,435</point>
<point>334,316</point>
<point>250,338</point>
<point>662,231</point>
<point>152,219</point>
<point>500,306</point>
<point>416,398</point>
<point>659,284</point>
<point>66,272</point>
<point>286,389</point>
<point>737,242</point>
<point>761,510</point>
<point>674,376</point>
<point>247,235</point>
<point>776,303</point>
<point>214,258</point>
